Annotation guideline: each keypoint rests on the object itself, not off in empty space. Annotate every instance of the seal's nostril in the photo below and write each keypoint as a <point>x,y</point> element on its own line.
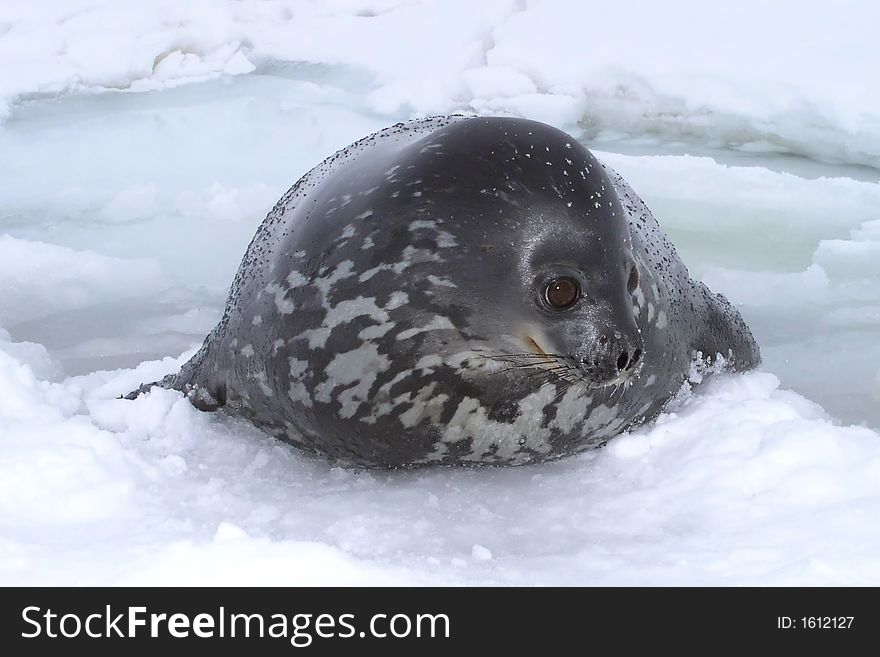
<point>603,339</point>
<point>635,359</point>
<point>622,361</point>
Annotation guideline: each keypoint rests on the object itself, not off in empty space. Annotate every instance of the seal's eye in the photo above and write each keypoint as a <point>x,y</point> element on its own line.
<point>633,281</point>
<point>562,292</point>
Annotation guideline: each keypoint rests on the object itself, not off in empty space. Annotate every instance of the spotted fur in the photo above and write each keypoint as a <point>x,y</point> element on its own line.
<point>386,314</point>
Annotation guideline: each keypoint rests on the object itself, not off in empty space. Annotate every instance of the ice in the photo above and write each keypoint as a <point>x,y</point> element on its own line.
<point>797,255</point>
<point>791,77</point>
<point>498,82</point>
<point>43,279</point>
<point>143,142</point>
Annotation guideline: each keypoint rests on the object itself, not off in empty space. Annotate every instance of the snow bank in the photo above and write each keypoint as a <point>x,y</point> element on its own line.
<point>788,76</point>
<point>744,484</point>
<point>40,279</point>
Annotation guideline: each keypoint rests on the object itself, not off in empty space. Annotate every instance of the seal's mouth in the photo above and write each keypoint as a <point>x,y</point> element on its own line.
<point>561,366</point>
<point>534,346</point>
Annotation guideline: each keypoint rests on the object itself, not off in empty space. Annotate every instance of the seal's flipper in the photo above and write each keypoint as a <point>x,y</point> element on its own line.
<point>724,332</point>
<point>140,390</point>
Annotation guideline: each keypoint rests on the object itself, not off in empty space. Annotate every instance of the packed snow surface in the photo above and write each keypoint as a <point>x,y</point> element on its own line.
<point>143,142</point>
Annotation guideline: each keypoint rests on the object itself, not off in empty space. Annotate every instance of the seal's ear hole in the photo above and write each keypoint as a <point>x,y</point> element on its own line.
<point>635,359</point>
<point>633,281</point>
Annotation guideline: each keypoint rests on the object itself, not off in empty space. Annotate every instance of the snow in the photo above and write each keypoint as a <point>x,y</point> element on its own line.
<point>792,76</point>
<point>142,144</point>
<point>770,493</point>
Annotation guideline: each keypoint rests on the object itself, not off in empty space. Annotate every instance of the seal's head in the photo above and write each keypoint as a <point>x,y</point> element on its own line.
<point>545,264</point>
<point>578,318</point>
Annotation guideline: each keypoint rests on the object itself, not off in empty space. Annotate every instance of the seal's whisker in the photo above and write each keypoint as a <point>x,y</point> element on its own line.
<point>529,366</point>
<point>539,372</point>
<point>560,366</point>
<point>511,369</point>
<point>557,371</point>
<point>585,386</point>
<point>529,355</point>
<point>561,393</point>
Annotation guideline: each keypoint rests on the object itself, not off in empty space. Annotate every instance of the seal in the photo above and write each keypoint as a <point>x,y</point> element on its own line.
<point>459,290</point>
